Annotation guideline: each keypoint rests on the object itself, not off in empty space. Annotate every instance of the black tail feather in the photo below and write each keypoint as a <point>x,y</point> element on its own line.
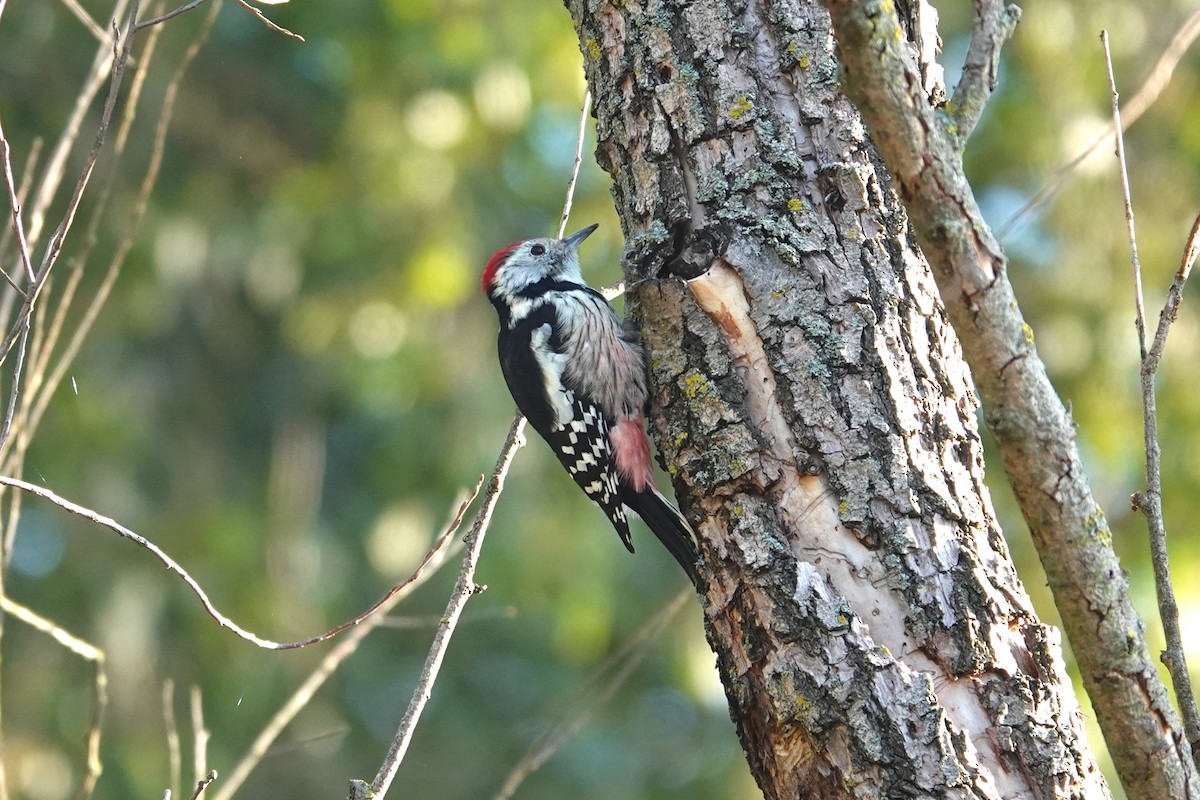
<point>667,524</point>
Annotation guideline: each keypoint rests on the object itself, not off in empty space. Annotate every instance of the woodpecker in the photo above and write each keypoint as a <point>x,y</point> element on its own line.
<point>577,375</point>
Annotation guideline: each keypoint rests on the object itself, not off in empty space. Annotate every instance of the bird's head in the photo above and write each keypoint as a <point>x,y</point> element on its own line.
<point>515,268</point>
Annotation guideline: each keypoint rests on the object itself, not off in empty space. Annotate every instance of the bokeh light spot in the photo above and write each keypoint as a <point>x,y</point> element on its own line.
<point>502,96</point>
<point>398,539</point>
<point>440,275</point>
<point>377,329</point>
<point>180,251</point>
<point>437,120</point>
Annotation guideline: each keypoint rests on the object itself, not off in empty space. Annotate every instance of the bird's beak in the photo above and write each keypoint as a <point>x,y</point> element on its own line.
<point>575,238</point>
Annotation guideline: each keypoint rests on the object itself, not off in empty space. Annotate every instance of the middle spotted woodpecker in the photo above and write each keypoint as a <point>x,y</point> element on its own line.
<point>577,376</point>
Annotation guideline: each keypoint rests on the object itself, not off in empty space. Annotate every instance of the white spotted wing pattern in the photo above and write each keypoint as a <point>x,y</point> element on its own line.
<point>582,445</point>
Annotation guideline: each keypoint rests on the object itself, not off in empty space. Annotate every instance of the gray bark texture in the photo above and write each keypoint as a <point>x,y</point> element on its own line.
<point>814,410</point>
<point>1034,432</point>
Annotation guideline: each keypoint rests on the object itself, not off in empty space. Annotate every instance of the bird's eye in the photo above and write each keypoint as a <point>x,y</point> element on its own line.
<point>537,250</point>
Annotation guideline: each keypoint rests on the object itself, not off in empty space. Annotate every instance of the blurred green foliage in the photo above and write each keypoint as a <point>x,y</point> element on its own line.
<point>295,376</point>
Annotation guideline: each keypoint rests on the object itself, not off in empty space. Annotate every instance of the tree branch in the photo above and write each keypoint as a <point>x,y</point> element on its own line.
<point>88,652</point>
<point>1150,90</point>
<point>174,758</point>
<point>994,23</point>
<point>1033,430</point>
<point>431,558</point>
<point>122,45</point>
<point>1150,501</point>
<point>464,588</point>
<point>345,647</point>
<point>200,736</point>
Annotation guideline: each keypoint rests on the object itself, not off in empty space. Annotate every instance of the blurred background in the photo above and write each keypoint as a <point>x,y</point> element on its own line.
<point>295,375</point>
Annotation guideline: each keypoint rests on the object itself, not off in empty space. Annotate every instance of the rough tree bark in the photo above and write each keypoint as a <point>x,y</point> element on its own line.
<point>819,422</point>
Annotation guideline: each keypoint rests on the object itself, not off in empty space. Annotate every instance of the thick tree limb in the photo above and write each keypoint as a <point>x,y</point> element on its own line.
<point>994,23</point>
<point>1033,430</point>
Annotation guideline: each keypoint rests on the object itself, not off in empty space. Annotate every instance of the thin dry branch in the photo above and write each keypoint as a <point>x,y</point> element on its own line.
<point>186,7</point>
<point>88,652</point>
<point>1149,502</point>
<point>566,212</point>
<point>9,533</point>
<point>84,17</point>
<point>174,753</point>
<point>31,161</point>
<point>14,204</point>
<point>345,647</point>
<point>464,588</point>
<point>1130,228</point>
<point>1145,97</point>
<point>117,262</point>
<point>173,566</point>
<point>55,170</point>
<point>15,388</point>
<point>1190,251</point>
<point>272,25</point>
<point>121,49</point>
<point>183,9</point>
<point>203,784</point>
<point>200,737</point>
<point>42,347</point>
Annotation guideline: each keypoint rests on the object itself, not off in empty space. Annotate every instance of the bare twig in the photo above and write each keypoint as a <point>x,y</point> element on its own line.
<point>566,212</point>
<point>183,9</point>
<point>1150,501</point>
<point>79,336</point>
<point>88,652</point>
<point>174,754</point>
<point>345,647</point>
<point>14,204</point>
<point>1139,306</point>
<point>464,588</point>
<point>273,26</point>
<point>83,16</point>
<point>44,341</point>
<point>186,7</point>
<point>54,171</point>
<point>10,524</point>
<point>31,160</point>
<point>1149,92</point>
<point>203,784</point>
<point>174,567</point>
<point>1190,251</point>
<point>621,664</point>
<point>126,533</point>
<point>119,59</point>
<point>430,562</point>
<point>200,736</point>
<point>465,585</point>
<point>15,389</point>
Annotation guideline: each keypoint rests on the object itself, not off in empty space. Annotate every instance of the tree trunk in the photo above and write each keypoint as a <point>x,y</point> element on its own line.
<point>818,420</point>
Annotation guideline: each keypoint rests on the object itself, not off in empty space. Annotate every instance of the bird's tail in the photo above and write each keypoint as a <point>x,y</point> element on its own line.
<point>665,522</point>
